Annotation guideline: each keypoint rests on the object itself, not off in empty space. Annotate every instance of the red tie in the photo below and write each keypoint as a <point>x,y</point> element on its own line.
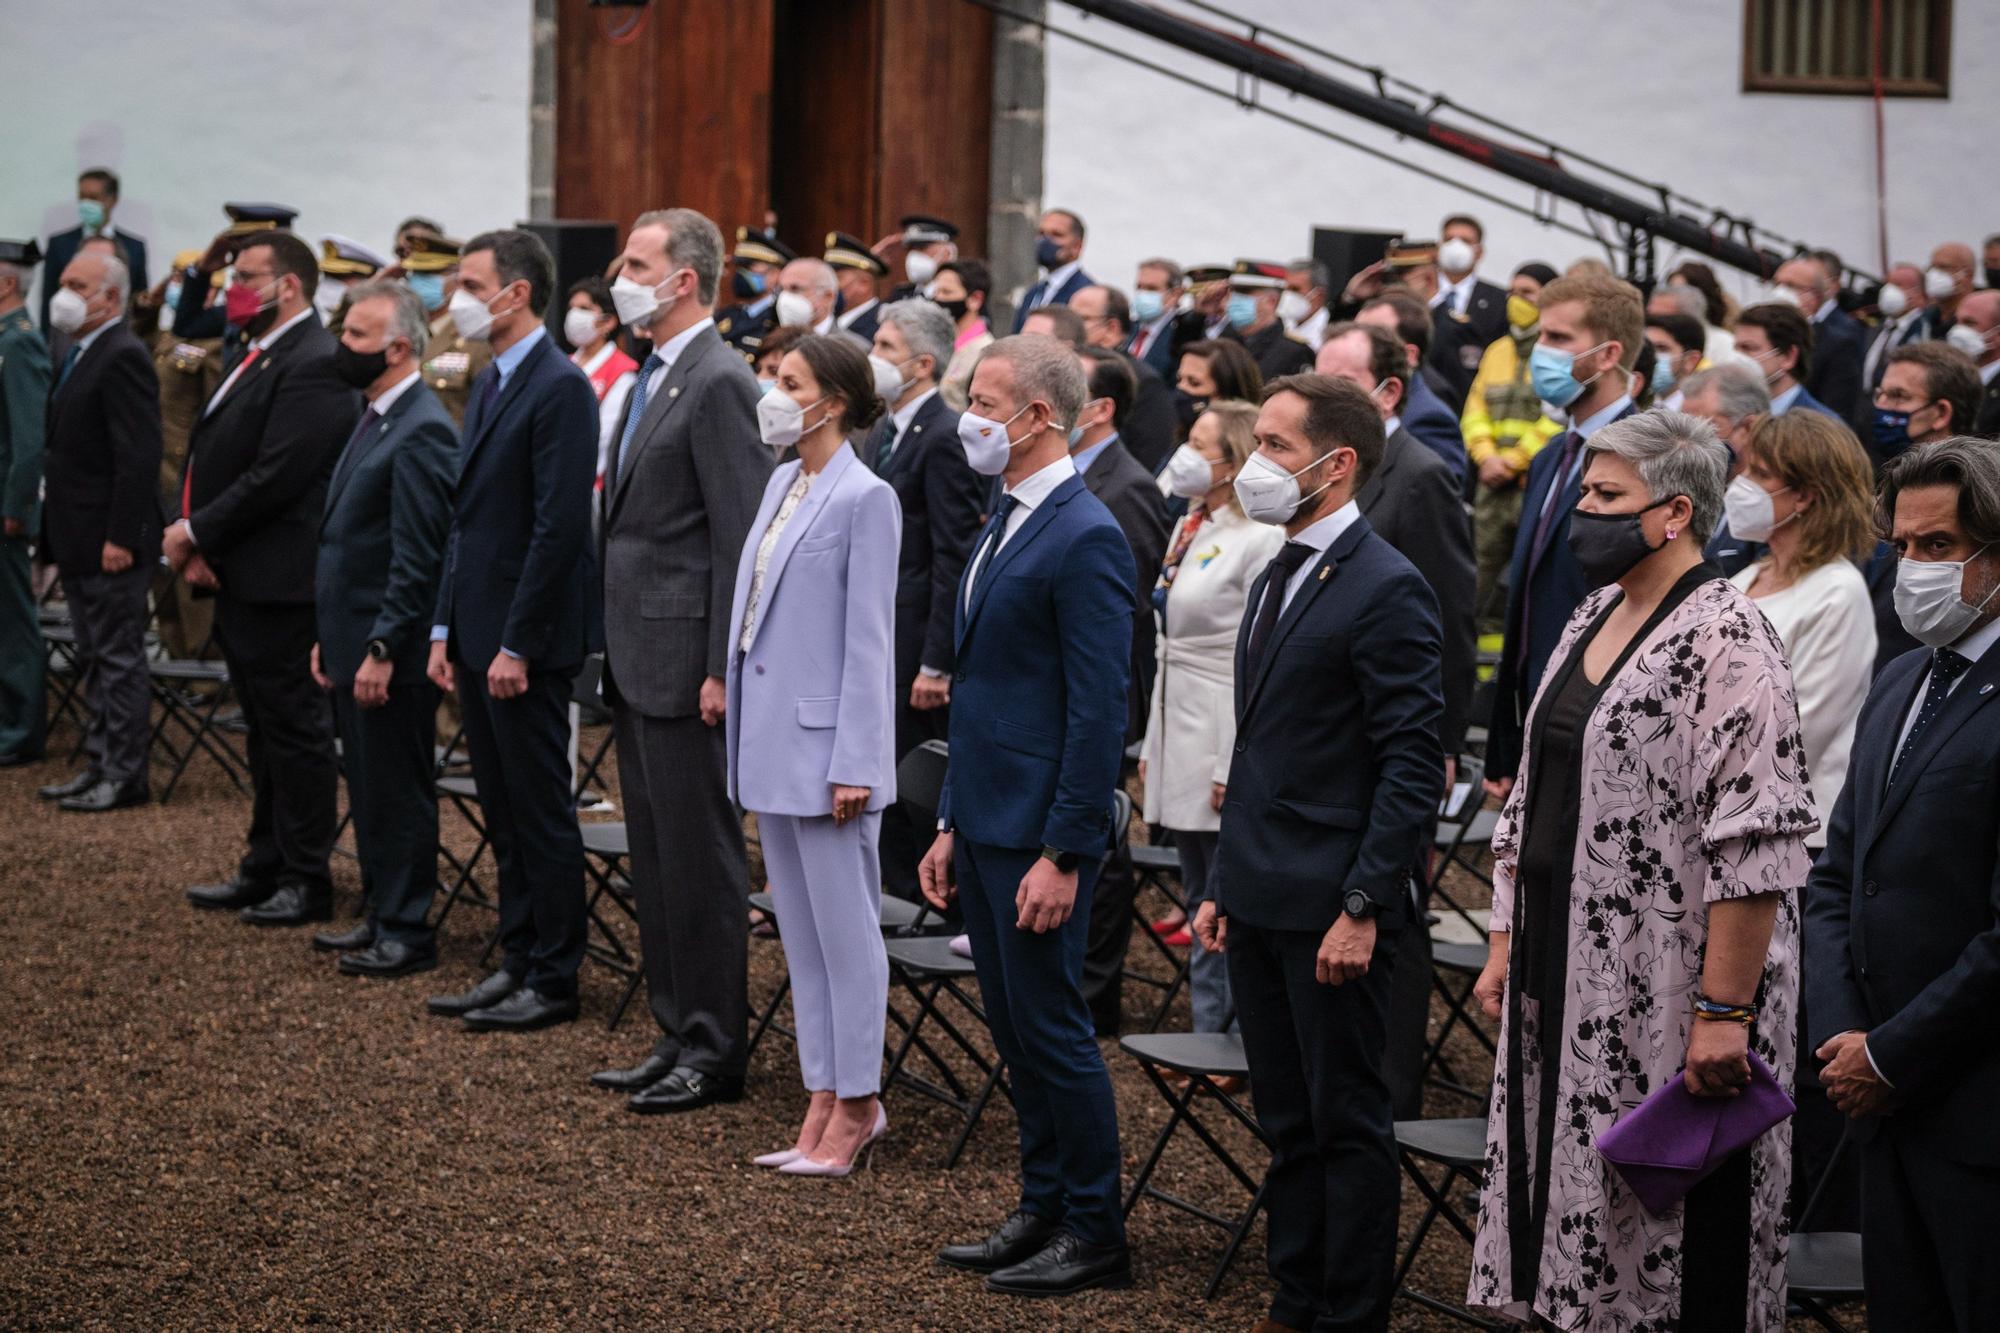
<point>1139,341</point>
<point>187,477</point>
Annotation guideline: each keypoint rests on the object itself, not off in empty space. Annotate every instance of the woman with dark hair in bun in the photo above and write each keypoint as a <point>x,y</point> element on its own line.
<point>812,732</point>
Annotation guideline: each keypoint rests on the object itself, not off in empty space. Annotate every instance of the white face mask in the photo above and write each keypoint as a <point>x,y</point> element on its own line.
<point>326,299</point>
<point>1270,494</point>
<point>470,315</point>
<point>1189,475</point>
<point>920,267</point>
<point>1779,294</point>
<point>1891,301</point>
<point>985,442</point>
<point>1456,257</point>
<point>67,311</point>
<point>1930,600</point>
<point>580,327</point>
<point>794,311</point>
<point>781,420</point>
<point>1967,340</point>
<point>638,305</point>
<point>888,377</point>
<point>1750,511</point>
<point>1939,284</point>
<point>1294,309</point>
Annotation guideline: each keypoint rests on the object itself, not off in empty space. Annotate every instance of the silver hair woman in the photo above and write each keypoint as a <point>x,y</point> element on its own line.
<point>1648,866</point>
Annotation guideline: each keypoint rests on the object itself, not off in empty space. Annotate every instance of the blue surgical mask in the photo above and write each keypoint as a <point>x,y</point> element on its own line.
<point>90,213</point>
<point>1242,310</point>
<point>429,288</point>
<point>1892,433</point>
<point>1553,374</point>
<point>1148,306</point>
<point>1047,253</point>
<point>1663,376</point>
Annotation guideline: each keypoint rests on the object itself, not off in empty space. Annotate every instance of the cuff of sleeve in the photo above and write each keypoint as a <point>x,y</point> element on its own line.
<point>193,540</point>
<point>932,672</point>
<point>439,633</point>
<point>509,652</point>
<point>1877,1068</point>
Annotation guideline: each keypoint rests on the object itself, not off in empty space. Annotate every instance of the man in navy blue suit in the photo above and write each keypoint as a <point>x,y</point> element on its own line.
<point>1332,791</point>
<point>1902,913</point>
<point>1840,344</point>
<point>1059,253</point>
<point>1044,636</point>
<point>96,200</point>
<point>1780,339</point>
<point>1592,328</point>
<point>514,622</point>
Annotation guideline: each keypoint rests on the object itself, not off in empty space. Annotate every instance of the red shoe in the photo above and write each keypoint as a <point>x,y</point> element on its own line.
<point>1179,939</point>
<point>1167,925</point>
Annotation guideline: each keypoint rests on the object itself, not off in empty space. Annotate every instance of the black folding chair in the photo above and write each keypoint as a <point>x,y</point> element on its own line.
<point>587,693</point>
<point>605,852</point>
<point>899,918</point>
<point>1202,1057</point>
<point>1456,1150</point>
<point>1462,824</point>
<point>1455,966</point>
<point>463,794</point>
<point>190,721</point>
<point>62,672</point>
<point>1157,866</point>
<point>1825,1266</point>
<point>929,972</point>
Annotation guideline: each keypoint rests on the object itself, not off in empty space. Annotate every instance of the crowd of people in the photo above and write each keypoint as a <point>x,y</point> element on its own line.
<point>1707,592</point>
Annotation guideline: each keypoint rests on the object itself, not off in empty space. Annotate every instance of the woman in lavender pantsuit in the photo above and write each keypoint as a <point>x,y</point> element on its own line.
<point>811,721</point>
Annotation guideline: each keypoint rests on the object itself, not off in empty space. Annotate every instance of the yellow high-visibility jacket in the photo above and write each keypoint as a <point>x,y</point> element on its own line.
<point>1503,414</point>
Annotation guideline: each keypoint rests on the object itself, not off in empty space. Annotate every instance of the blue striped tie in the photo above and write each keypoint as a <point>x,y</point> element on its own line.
<point>635,411</point>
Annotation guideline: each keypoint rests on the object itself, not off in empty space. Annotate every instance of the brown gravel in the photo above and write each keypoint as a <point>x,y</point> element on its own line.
<point>203,1125</point>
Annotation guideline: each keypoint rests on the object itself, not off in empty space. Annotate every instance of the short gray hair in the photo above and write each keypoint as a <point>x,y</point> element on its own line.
<point>818,272</point>
<point>926,327</point>
<point>693,242</point>
<point>1045,370</point>
<point>406,318</point>
<point>1674,454</point>
<point>1688,300</point>
<point>1739,391</point>
<point>116,278</point>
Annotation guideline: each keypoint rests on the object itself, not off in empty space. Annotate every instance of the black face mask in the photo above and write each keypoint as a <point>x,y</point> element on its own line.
<point>956,309</point>
<point>359,369</point>
<point>1607,546</point>
<point>1187,407</point>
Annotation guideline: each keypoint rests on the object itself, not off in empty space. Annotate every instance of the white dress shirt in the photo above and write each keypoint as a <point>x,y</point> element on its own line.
<point>1454,295</point>
<point>901,418</point>
<point>1319,534</point>
<point>383,401</point>
<point>670,352</point>
<point>263,344</point>
<point>1027,497</point>
<point>1781,403</point>
<point>1053,283</point>
<point>1972,646</point>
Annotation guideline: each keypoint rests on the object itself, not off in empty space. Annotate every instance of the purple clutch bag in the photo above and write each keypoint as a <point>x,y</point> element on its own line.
<point>1670,1142</point>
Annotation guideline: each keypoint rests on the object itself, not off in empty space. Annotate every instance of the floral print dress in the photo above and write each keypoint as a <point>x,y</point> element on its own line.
<point>1692,790</point>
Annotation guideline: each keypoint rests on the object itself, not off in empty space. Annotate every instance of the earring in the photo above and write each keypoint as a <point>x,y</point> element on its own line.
<point>1672,533</point>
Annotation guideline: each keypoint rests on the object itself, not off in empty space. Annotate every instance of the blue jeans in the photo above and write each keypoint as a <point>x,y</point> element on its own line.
<point>1208,974</point>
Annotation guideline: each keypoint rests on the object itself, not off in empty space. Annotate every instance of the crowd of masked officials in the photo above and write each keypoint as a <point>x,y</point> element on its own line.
<point>1704,590</point>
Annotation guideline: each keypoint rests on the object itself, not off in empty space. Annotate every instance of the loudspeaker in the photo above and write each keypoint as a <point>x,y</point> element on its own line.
<point>1346,252</point>
<point>581,250</point>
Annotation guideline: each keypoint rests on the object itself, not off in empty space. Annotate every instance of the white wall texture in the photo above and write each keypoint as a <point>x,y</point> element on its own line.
<point>1154,167</point>
<point>356,114</point>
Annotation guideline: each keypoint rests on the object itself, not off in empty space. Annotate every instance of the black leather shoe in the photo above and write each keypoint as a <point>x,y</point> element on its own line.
<point>389,958</point>
<point>345,941</point>
<point>107,795</point>
<point>237,892</point>
<point>1021,1236</point>
<point>291,905</point>
<point>490,991</point>
<point>685,1089</point>
<point>642,1075</point>
<point>82,782</point>
<point>15,758</point>
<point>1064,1267</point>
<point>523,1011</point>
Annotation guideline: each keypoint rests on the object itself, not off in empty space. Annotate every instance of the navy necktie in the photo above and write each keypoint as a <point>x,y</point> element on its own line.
<point>1946,667</point>
<point>69,364</point>
<point>996,533</point>
<point>1283,565</point>
<point>887,449</point>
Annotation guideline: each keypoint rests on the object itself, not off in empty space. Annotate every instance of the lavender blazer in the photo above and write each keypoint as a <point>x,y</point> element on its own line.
<point>812,703</point>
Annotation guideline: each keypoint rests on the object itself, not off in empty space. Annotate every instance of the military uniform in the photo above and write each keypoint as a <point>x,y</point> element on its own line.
<point>847,252</point>
<point>342,263</point>
<point>747,323</point>
<point>190,370</point>
<point>451,364</point>
<point>24,394</point>
<point>194,318</point>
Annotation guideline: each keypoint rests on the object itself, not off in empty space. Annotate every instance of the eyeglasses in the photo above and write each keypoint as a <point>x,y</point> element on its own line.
<point>1896,400</point>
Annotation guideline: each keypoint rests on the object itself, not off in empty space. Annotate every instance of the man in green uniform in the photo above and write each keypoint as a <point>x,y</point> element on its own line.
<point>24,393</point>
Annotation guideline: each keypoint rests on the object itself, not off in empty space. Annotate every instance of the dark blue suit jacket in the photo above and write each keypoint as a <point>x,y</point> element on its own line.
<point>1548,577</point>
<point>1038,698</point>
<point>1805,402</point>
<point>1426,416</point>
<point>1902,929</point>
<point>1337,772</point>
<point>62,248</point>
<point>1840,347</point>
<point>1077,282</point>
<point>519,572</point>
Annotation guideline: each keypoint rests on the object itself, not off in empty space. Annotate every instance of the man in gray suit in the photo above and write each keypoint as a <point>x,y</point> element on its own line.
<point>681,487</point>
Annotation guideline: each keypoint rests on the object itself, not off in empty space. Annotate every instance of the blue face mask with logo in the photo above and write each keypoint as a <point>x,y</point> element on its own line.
<point>429,288</point>
<point>1892,432</point>
<point>1553,374</point>
<point>1148,306</point>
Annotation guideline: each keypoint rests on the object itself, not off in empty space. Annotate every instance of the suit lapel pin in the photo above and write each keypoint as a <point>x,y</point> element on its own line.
<point>674,392</point>
<point>1324,572</point>
<point>1985,689</point>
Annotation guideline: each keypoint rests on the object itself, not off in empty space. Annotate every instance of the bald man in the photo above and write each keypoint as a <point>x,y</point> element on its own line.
<point>807,293</point>
<point>1951,260</point>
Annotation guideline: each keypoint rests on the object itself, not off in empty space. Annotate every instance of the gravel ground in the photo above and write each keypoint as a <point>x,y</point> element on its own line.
<point>203,1125</point>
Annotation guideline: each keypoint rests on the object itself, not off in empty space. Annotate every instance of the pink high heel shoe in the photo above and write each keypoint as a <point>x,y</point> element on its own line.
<point>776,1159</point>
<point>806,1166</point>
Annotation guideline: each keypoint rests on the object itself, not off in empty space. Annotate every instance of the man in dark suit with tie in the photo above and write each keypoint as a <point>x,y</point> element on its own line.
<point>915,449</point>
<point>1332,791</point>
<point>1907,317</point>
<point>1591,330</point>
<point>1979,316</point>
<point>1059,254</point>
<point>1902,912</point>
<point>1037,740</point>
<point>1468,313</point>
<point>1426,412</point>
<point>515,617</point>
<point>253,492</point>
<point>381,550</point>
<point>1149,431</point>
<point>96,200</point>
<point>1839,342</point>
<point>681,489</point>
<point>24,397</point>
<point>1160,328</point>
<point>101,523</point>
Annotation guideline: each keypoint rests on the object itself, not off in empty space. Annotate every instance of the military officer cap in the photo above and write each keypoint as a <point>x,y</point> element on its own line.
<point>341,257</point>
<point>1408,254</point>
<point>187,259</point>
<point>1203,274</point>
<point>1251,275</point>
<point>20,252</point>
<point>431,254</point>
<point>920,229</point>
<point>247,218</point>
<point>844,251</point>
<point>761,246</point>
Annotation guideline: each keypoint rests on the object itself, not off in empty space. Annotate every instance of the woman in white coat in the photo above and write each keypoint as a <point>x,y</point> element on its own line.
<point>1213,556</point>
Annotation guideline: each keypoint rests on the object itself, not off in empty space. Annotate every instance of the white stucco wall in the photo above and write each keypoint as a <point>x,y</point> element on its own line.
<point>1157,168</point>
<point>356,114</point>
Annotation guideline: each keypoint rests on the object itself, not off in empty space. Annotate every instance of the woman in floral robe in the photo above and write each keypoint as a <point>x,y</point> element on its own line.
<point>1652,850</point>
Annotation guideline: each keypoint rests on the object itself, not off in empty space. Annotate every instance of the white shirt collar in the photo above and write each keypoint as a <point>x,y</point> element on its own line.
<point>1974,645</point>
<point>846,319</point>
<point>387,398</point>
<point>670,350</point>
<point>268,340</point>
<point>1037,486</point>
<point>1825,311</point>
<point>1057,277</point>
<point>1455,294</point>
<point>1324,532</point>
<point>603,354</point>
<point>1781,403</point>
<point>1391,426</point>
<point>904,415</point>
<point>824,327</point>
<point>83,343</point>
<point>1989,370</point>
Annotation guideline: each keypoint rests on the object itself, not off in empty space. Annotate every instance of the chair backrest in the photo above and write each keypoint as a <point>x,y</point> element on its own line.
<point>1462,802</point>
<point>587,689</point>
<point>920,780</point>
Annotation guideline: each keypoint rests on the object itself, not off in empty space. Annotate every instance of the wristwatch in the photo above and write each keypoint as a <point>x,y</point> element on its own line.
<point>1063,861</point>
<point>378,650</point>
<point>1359,905</point>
